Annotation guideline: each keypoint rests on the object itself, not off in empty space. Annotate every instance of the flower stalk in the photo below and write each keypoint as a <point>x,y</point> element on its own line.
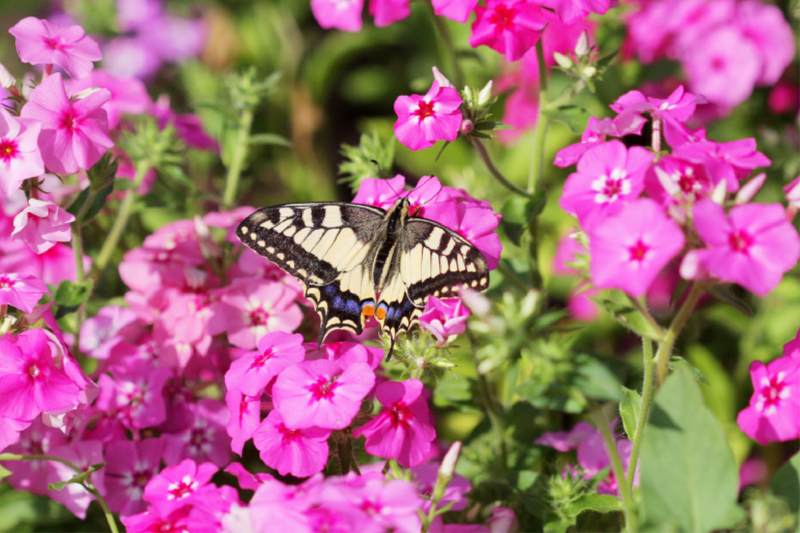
<point>238,158</point>
<point>617,468</point>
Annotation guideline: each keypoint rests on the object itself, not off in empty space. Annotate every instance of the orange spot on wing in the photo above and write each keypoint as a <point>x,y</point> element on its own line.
<point>380,313</point>
<point>368,310</point>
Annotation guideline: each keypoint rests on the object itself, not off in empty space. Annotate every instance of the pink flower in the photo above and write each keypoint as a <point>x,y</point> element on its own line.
<point>444,318</point>
<point>254,309</point>
<point>521,112</point>
<point>679,106</point>
<point>128,95</point>
<point>784,98</point>
<point>245,417</point>
<point>19,152</point>
<point>74,133</point>
<point>299,452</point>
<point>130,465</point>
<point>608,175</point>
<point>30,383</point>
<point>40,42</point>
<point>792,348</point>
<point>753,246</point>
<point>135,394</point>
<point>155,520</point>
<point>21,290</point>
<point>425,476</point>
<point>251,373</point>
<point>765,26</point>
<point>792,191</point>
<point>423,120</point>
<point>774,410</point>
<point>630,248</point>
<point>510,27</point>
<point>37,439</point>
<point>593,457</point>
<point>41,225</point>
<point>130,57</point>
<point>179,485</point>
<point>402,430</point>
<point>379,504</point>
<point>10,429</point>
<point>187,126</point>
<point>110,327</point>
<point>346,353</point>
<point>752,471</point>
<point>565,441</point>
<point>205,439</point>
<point>730,161</point>
<point>675,181</point>
<point>387,12</point>
<point>340,14</point>
<point>82,454</point>
<point>596,132</point>
<point>321,393</point>
<point>572,11</point>
<point>458,10</point>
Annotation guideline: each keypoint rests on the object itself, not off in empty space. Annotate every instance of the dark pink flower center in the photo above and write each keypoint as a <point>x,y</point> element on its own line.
<point>182,488</point>
<point>8,149</point>
<point>688,182</point>
<point>55,43</point>
<point>35,370</point>
<point>638,251</point>
<point>140,478</point>
<point>370,508</point>
<point>323,389</point>
<point>718,64</point>
<point>740,241</point>
<point>6,282</point>
<point>288,435</point>
<point>503,18</point>
<point>771,392</point>
<point>261,359</point>
<point>258,317</point>
<point>69,121</point>
<point>401,415</point>
<point>425,110</point>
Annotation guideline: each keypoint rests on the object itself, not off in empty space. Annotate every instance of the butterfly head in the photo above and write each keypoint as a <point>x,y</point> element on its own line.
<point>398,215</point>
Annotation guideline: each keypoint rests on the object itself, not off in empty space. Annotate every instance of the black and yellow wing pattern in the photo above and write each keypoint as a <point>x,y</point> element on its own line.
<point>358,261</point>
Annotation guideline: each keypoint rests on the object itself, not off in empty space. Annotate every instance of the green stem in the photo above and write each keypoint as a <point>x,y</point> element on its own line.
<point>542,122</point>
<point>618,469</point>
<point>80,276</point>
<point>494,418</point>
<point>644,411</point>
<point>647,316</point>
<point>487,160</point>
<point>238,158</point>
<point>112,523</point>
<point>449,49</point>
<point>118,227</point>
<point>665,350</point>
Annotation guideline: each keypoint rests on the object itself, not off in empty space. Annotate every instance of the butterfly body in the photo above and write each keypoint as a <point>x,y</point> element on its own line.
<point>358,261</point>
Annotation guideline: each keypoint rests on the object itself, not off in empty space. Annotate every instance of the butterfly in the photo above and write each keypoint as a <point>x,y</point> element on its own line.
<point>358,261</point>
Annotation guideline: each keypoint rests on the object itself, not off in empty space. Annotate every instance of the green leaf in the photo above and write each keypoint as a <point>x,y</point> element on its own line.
<point>4,472</point>
<point>77,478</point>
<point>270,138</point>
<point>600,503</point>
<point>491,125</point>
<point>574,117</point>
<point>698,374</point>
<point>629,409</point>
<point>786,483</point>
<point>604,61</point>
<point>595,380</point>
<point>724,294</point>
<point>518,213</point>
<point>89,203</point>
<point>629,317</point>
<point>689,477</point>
<point>526,479</point>
<point>69,296</point>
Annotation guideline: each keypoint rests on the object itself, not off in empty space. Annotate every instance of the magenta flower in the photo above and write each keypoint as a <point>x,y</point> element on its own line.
<point>387,12</point>
<point>128,95</point>
<point>402,430</point>
<point>340,14</point>
<point>187,126</point>
<point>178,485</point>
<point>40,42</point>
<point>110,327</point>
<point>766,27</point>
<point>731,161</point>
<point>510,27</point>
<point>155,521</point>
<point>205,439</point>
<point>135,393</point>
<point>458,10</point>
<point>30,383</point>
<point>378,505</point>
<point>251,373</point>
<point>608,175</point>
<point>593,457</point>
<point>245,417</point>
<point>630,248</point>
<point>792,191</point>
<point>41,225</point>
<point>565,441</point>
<point>423,120</point>
<point>74,132</point>
<point>321,393</point>
<point>21,290</point>
<point>792,348</point>
<point>675,181</point>
<point>444,318</point>
<point>10,429</point>
<point>130,465</point>
<point>299,452</point>
<point>83,454</point>
<point>130,57</point>
<point>572,11</point>
<point>753,246</point>
<point>346,353</point>
<point>774,410</point>
<point>596,132</point>
<point>37,439</point>
<point>20,158</point>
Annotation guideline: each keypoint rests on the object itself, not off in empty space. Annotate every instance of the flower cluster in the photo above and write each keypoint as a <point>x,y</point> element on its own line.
<point>726,48</point>
<point>632,238</point>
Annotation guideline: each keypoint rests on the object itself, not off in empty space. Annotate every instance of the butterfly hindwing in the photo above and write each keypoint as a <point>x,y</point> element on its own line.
<point>345,303</point>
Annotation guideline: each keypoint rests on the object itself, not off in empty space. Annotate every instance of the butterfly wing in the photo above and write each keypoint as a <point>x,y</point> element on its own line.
<point>431,260</point>
<point>326,246</point>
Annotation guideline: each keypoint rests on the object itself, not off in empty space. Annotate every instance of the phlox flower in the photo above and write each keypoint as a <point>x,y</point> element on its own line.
<point>774,410</point>
<point>155,520</point>
<point>74,132</point>
<point>35,474</point>
<point>423,120</point>
<point>340,14</point>
<point>752,471</point>
<point>30,383</point>
<point>83,454</point>
<point>402,430</point>
<point>187,126</point>
<point>596,132</point>
<point>608,175</point>
<point>251,373</point>
<point>425,476</point>
<point>630,248</point>
<point>753,246</point>
<point>565,441</point>
<point>174,39</point>
<point>572,11</point>
<point>10,429</point>
<point>129,467</point>
<point>205,439</point>
<point>299,452</point>
<point>458,10</point>
<point>245,417</point>
<point>178,485</point>
<point>321,393</point>
<point>346,353</point>
<point>20,158</point>
<point>40,42</point>
<point>23,291</point>
<point>784,98</point>
<point>675,181</point>
<point>444,318</point>
<point>679,106</point>
<point>128,95</point>
<point>251,310</point>
<point>111,326</point>
<point>135,393</point>
<point>593,457</point>
<point>189,319</point>
<point>765,26</point>
<point>376,505</point>
<point>510,27</point>
<point>387,12</point>
<point>792,348</point>
<point>41,225</point>
<point>130,57</point>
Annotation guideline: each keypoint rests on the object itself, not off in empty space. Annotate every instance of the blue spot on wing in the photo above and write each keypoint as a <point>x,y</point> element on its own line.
<point>352,306</point>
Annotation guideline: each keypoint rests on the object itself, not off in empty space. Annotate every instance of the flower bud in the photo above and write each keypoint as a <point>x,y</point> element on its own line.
<point>441,78</point>
<point>485,94</point>
<point>749,190</point>
<point>467,126</point>
<point>86,92</point>
<point>562,60</point>
<point>7,81</point>
<point>450,459</point>
<point>589,71</point>
<point>582,46</point>
<point>718,195</point>
<point>793,192</point>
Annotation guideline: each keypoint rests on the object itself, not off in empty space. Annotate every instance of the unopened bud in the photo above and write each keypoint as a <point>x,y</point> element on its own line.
<point>7,324</point>
<point>670,185</point>
<point>582,46</point>
<point>485,94</point>
<point>589,71</point>
<point>562,60</point>
<point>6,79</point>
<point>86,92</point>
<point>421,363</point>
<point>475,301</point>
<point>749,190</point>
<point>450,459</point>
<point>441,78</point>
<point>718,196</point>
<point>793,192</point>
<point>467,126</point>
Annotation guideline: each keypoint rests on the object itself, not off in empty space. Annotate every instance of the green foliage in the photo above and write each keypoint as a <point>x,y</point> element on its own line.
<point>689,477</point>
<point>629,409</point>
<point>372,158</point>
<point>79,478</point>
<point>68,296</point>
<point>786,484</point>
<point>92,199</point>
